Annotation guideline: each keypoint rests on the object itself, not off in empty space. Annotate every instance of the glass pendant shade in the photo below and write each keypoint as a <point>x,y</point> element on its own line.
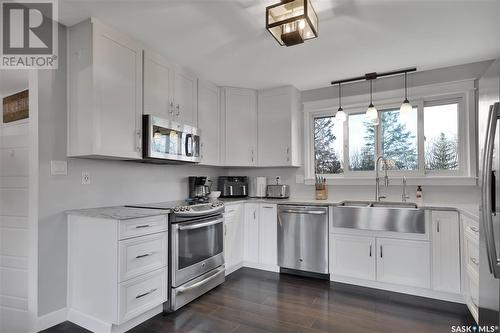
<point>291,22</point>
<point>372,112</point>
<point>340,115</point>
<point>405,108</point>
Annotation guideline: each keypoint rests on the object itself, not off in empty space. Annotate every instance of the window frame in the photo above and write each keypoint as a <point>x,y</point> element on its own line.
<point>466,142</point>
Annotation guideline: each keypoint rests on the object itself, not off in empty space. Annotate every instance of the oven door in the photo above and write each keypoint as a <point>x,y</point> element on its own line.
<point>197,247</point>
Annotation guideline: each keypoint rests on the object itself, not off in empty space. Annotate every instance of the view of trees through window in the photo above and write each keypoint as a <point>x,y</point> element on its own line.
<point>328,138</point>
<point>441,137</point>
<point>398,140</point>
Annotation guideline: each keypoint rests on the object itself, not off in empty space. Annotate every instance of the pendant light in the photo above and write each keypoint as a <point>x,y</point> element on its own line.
<point>406,107</point>
<point>372,112</point>
<point>340,115</point>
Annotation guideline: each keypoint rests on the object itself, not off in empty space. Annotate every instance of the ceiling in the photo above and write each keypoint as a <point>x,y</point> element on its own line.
<point>225,41</point>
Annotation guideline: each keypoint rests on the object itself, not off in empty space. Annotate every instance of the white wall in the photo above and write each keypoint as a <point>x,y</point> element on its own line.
<point>112,183</point>
<point>15,230</point>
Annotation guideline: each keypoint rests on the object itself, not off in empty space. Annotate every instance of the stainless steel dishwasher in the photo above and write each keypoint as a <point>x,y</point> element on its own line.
<point>303,240</point>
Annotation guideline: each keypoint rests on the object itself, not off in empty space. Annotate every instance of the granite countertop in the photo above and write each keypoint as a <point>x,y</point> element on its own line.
<point>117,212</point>
<point>470,210</point>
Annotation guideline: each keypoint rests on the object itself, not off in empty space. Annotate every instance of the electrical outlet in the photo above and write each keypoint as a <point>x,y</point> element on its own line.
<point>85,178</point>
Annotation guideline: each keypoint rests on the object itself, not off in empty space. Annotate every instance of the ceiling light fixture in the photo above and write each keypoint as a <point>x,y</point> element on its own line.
<point>340,115</point>
<point>406,107</point>
<point>372,112</point>
<point>291,22</point>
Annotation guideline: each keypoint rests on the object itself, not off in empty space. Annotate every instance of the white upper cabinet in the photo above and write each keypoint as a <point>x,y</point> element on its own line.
<point>279,123</point>
<point>209,122</point>
<point>240,127</point>
<point>445,251</point>
<point>158,86</point>
<point>185,97</point>
<point>169,91</point>
<point>105,93</point>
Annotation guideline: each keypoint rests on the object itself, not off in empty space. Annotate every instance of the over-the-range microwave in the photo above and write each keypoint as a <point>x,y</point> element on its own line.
<point>166,141</point>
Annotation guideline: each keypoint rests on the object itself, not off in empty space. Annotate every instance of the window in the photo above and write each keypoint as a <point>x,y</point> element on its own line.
<point>441,136</point>
<point>328,146</point>
<point>361,143</point>
<point>399,139</point>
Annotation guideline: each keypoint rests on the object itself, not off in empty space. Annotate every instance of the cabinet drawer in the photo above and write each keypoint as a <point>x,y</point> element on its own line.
<point>472,255</point>
<point>471,227</point>
<point>142,255</point>
<point>142,294</point>
<point>143,226</point>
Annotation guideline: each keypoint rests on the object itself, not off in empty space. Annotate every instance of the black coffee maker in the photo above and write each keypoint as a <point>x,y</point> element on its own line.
<point>199,188</point>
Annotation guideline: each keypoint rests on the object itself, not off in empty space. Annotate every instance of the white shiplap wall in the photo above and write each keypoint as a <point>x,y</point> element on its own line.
<point>14,227</point>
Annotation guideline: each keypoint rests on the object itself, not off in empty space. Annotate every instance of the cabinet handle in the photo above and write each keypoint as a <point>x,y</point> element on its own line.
<point>267,207</point>
<point>474,261</point>
<point>178,108</point>
<point>370,250</point>
<point>254,215</point>
<point>171,108</point>
<point>138,140</point>
<point>473,228</point>
<point>381,253</point>
<point>252,155</point>
<point>142,226</point>
<point>144,255</point>
<point>225,230</point>
<point>145,294</point>
<point>288,154</point>
<point>437,227</point>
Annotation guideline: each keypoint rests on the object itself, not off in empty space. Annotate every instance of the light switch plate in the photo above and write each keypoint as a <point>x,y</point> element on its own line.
<point>58,168</point>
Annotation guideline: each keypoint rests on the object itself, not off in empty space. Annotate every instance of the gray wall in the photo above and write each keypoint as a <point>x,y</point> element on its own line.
<point>112,183</point>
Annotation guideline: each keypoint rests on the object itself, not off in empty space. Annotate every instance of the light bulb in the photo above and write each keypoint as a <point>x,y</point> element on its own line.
<point>302,24</point>
<point>372,112</point>
<point>375,121</point>
<point>405,108</point>
<point>340,115</point>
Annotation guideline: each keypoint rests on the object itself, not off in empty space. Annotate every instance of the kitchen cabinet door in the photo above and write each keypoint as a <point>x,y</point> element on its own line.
<point>209,122</point>
<point>158,86</point>
<point>352,256</point>
<point>404,262</point>
<point>105,93</point>
<point>268,235</point>
<point>240,115</point>
<point>233,237</point>
<point>279,121</point>
<point>251,232</point>
<point>445,228</point>
<point>185,98</point>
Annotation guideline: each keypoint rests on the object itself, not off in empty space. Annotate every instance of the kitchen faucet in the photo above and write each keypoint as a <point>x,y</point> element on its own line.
<point>404,195</point>
<point>377,178</point>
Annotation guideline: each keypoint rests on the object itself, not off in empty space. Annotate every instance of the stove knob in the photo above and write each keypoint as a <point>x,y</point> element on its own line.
<point>183,209</point>
<point>214,204</point>
<point>188,209</point>
<point>176,209</point>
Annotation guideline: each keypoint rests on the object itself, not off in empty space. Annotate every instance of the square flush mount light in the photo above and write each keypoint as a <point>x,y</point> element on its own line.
<point>292,22</point>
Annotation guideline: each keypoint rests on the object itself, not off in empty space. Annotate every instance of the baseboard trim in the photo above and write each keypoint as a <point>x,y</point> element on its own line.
<point>96,325</point>
<point>51,319</point>
<point>263,267</point>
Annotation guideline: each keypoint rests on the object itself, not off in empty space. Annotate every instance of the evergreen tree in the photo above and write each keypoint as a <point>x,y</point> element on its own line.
<point>326,158</point>
<point>398,142</point>
<point>441,154</point>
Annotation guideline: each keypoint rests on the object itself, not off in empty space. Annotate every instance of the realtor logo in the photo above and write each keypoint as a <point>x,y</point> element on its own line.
<point>29,34</point>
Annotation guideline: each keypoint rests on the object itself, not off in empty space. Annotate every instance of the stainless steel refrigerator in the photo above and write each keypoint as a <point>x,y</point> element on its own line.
<point>489,167</point>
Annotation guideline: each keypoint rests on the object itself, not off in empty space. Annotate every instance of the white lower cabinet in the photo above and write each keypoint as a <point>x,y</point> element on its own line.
<point>268,235</point>
<point>117,270</point>
<point>470,261</point>
<point>445,233</point>
<point>233,237</point>
<point>403,262</point>
<point>352,256</point>
<point>251,231</point>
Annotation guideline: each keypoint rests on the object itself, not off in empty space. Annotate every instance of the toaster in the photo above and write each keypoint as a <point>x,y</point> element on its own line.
<point>278,191</point>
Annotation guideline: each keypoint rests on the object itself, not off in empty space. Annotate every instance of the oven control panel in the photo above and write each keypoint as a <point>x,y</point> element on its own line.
<point>198,208</point>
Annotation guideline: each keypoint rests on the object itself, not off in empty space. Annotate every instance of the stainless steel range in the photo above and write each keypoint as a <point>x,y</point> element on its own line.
<point>196,249</point>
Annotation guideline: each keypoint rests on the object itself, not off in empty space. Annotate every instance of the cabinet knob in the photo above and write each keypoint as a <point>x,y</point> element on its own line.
<point>178,108</point>
<point>138,141</point>
<point>171,108</point>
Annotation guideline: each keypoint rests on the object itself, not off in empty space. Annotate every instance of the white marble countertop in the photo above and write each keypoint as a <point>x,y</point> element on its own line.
<point>117,212</point>
<point>470,210</point>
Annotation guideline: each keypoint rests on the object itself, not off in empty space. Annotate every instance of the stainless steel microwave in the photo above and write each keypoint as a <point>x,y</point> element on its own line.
<point>165,140</point>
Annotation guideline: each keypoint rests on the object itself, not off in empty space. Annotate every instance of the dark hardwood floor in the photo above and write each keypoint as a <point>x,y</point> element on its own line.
<point>257,301</point>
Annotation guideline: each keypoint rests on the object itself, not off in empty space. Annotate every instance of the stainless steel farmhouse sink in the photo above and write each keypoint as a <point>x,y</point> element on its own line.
<point>380,216</point>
